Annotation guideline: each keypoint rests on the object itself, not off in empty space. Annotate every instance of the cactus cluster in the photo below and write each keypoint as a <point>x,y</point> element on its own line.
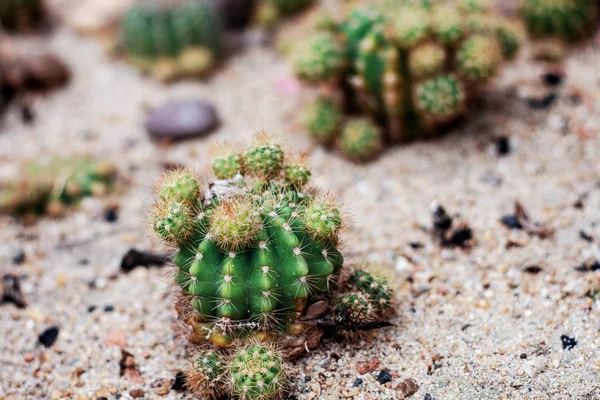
<point>173,39</point>
<point>50,187</point>
<point>564,19</point>
<point>407,66</point>
<point>20,15</point>
<point>257,248</point>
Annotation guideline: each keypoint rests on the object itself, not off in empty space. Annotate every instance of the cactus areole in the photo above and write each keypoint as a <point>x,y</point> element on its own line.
<point>254,248</point>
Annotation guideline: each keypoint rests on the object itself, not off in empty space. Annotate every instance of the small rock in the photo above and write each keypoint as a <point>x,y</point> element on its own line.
<point>511,222</point>
<point>136,393</point>
<point>450,231</point>
<point>49,336</point>
<point>568,343</point>
<point>46,71</point>
<point>179,382</point>
<point>19,258</point>
<point>533,269</point>
<point>28,357</point>
<point>181,119</point>
<point>502,146</point>
<point>585,236</point>
<point>134,258</point>
<point>237,14</point>
<point>91,309</point>
<point>357,382</point>
<point>553,76</point>
<point>111,214</point>
<point>540,103</point>
<point>369,366</point>
<point>27,114</point>
<point>384,377</point>
<point>116,337</point>
<point>589,266</point>
<point>534,367</point>
<point>10,291</point>
<point>109,308</point>
<point>408,387</point>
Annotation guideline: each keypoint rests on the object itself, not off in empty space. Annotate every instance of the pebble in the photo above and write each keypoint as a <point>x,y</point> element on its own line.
<point>179,382</point>
<point>369,366</point>
<point>384,377</point>
<point>136,393</point>
<point>408,387</point>
<point>49,336</point>
<point>10,291</point>
<point>46,71</point>
<point>357,382</point>
<point>568,343</point>
<point>502,146</point>
<point>134,258</point>
<point>181,119</point>
<point>534,367</point>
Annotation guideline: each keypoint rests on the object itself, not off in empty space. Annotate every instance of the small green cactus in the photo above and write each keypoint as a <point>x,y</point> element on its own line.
<point>172,40</point>
<point>49,187</point>
<point>360,139</point>
<point>20,15</point>
<point>206,376</point>
<point>322,120</point>
<point>253,253</point>
<point>375,285</point>
<point>257,373</point>
<point>320,58</point>
<point>478,58</point>
<point>440,99</point>
<point>565,19</point>
<point>354,308</point>
<point>411,66</point>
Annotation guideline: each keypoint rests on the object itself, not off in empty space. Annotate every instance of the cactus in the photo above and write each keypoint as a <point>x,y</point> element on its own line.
<point>565,19</point>
<point>206,375</point>
<point>20,15</point>
<point>323,119</point>
<point>257,373</point>
<point>372,281</point>
<point>253,253</point>
<point>410,66</point>
<point>354,308</point>
<point>360,139</point>
<point>51,187</point>
<point>321,58</point>
<point>169,41</point>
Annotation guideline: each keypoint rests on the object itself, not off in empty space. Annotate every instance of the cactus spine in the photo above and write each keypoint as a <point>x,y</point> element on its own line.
<point>169,41</point>
<point>410,66</point>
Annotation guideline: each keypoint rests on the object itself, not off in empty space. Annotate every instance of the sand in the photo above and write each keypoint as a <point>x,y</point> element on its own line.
<point>470,324</point>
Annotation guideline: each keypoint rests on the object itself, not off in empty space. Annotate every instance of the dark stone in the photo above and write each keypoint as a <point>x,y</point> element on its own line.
<point>568,343</point>
<point>11,291</point>
<point>181,119</point>
<point>236,14</point>
<point>502,146</point>
<point>523,356</point>
<point>585,236</point>
<point>307,378</point>
<point>416,245</point>
<point>19,258</point>
<point>533,269</point>
<point>540,103</point>
<point>588,266</point>
<point>101,398</point>
<point>27,114</point>
<point>357,382</point>
<point>84,261</point>
<point>111,215</point>
<point>179,382</point>
<point>49,336</point>
<point>91,309</point>
<point>428,397</point>
<point>135,258</point>
<point>384,377</point>
<point>46,71</point>
<point>511,222</point>
<point>109,308</point>
<point>553,77</point>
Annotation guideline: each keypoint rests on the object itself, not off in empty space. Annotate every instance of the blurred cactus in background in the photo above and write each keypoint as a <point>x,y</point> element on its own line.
<point>258,269</point>
<point>173,39</point>
<point>271,12</point>
<point>408,66</point>
<point>563,19</point>
<point>49,188</point>
<point>20,15</point>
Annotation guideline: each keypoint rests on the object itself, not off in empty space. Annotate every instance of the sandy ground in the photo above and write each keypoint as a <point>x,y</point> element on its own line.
<point>470,325</point>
